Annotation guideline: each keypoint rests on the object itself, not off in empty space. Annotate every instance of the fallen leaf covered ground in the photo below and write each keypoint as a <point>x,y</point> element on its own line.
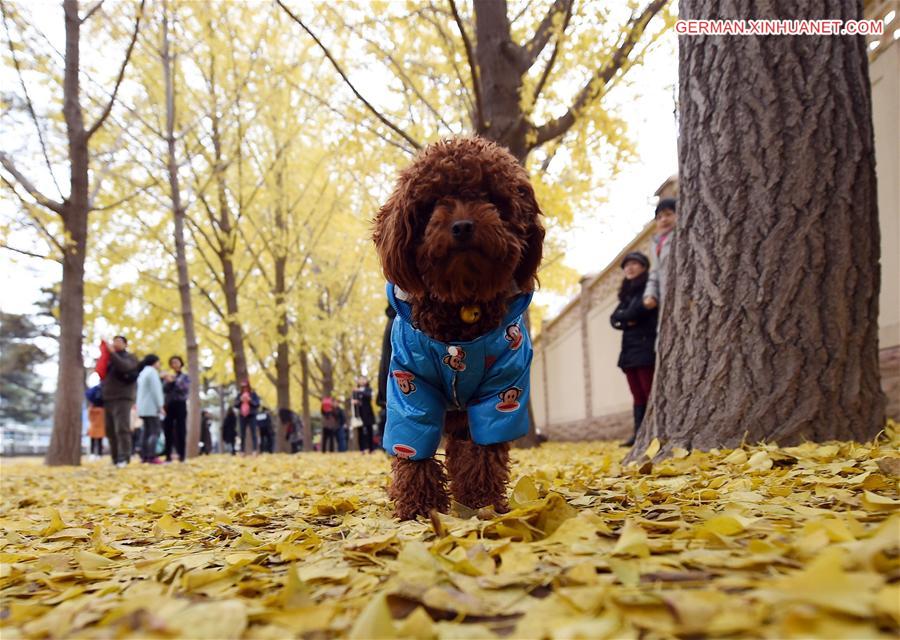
<point>757,542</point>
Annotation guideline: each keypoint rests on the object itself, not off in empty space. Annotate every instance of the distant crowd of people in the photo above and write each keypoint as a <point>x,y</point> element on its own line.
<point>251,417</point>
<point>637,314</point>
<point>132,389</point>
<point>336,431</point>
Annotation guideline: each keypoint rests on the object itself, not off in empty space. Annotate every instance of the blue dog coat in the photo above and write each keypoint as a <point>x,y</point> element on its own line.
<point>487,377</point>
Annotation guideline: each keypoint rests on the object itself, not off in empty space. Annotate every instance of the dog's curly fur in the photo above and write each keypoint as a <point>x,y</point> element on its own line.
<point>469,180</point>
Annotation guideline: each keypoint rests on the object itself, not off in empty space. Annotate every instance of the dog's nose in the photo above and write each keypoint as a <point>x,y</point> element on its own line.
<point>462,229</point>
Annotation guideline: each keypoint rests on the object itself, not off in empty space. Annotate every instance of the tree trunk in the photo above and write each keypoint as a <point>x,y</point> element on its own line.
<point>307,423</point>
<point>65,441</point>
<point>235,332</point>
<point>184,281</point>
<point>769,327</point>
<point>283,353</point>
<point>224,407</point>
<point>501,71</point>
<point>282,356</point>
<point>225,251</point>
<point>326,367</point>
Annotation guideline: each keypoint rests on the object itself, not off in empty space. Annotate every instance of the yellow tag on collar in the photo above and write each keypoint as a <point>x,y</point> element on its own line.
<point>470,314</point>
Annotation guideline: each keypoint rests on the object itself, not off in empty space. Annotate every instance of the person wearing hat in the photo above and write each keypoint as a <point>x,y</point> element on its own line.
<point>662,243</point>
<point>638,326</point>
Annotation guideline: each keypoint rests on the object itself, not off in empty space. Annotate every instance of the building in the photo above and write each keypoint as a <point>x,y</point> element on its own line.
<point>884,76</point>
<point>577,390</point>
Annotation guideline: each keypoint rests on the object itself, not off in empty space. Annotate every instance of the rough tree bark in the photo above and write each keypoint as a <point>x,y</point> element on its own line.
<point>225,251</point>
<point>304,390</point>
<point>178,215</point>
<point>65,440</point>
<point>770,323</point>
<point>282,354</point>
<point>326,368</point>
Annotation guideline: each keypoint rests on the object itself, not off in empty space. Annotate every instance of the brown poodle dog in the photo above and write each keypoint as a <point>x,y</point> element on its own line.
<point>460,242</point>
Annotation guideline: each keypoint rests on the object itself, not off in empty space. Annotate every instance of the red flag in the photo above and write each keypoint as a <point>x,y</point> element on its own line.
<point>103,361</point>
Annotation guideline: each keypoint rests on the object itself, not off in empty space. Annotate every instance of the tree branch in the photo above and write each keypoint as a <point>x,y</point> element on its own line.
<point>31,220</point>
<point>193,229</point>
<point>91,11</point>
<point>546,73</point>
<point>206,294</point>
<point>101,175</point>
<point>128,198</point>
<point>532,49</point>
<point>600,78</point>
<point>28,101</point>
<point>473,67</point>
<point>30,254</point>
<point>464,97</point>
<point>398,70</point>
<point>259,359</point>
<point>256,258</point>
<point>364,125</point>
<point>109,105</point>
<point>39,197</point>
<point>346,80</point>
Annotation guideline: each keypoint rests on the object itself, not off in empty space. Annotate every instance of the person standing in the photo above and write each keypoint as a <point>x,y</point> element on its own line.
<point>119,392</point>
<point>330,425</point>
<point>384,372</point>
<point>247,403</point>
<point>342,433</point>
<point>150,404</point>
<point>362,410</point>
<point>662,245</point>
<point>293,428</point>
<point>229,430</point>
<point>96,427</point>
<point>176,389</point>
<point>266,430</point>
<point>205,432</point>
<point>638,326</point>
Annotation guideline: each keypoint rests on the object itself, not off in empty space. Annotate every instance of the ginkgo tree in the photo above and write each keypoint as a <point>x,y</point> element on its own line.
<point>63,219</point>
<point>298,236</point>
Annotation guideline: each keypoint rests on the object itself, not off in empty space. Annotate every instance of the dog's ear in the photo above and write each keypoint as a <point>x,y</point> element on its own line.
<point>394,236</point>
<point>529,213</point>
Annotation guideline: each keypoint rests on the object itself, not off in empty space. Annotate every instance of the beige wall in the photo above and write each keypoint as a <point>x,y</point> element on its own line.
<point>565,386</point>
<point>609,391</point>
<point>564,405</point>
<point>884,73</point>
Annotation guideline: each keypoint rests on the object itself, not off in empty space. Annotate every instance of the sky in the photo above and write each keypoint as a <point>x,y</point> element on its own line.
<point>647,104</point>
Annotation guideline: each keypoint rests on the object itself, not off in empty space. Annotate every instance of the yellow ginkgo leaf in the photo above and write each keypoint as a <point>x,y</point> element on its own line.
<point>826,584</point>
<point>632,541</point>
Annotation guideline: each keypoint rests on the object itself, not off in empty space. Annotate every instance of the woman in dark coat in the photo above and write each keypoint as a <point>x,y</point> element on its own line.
<point>229,429</point>
<point>383,372</point>
<point>638,326</point>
